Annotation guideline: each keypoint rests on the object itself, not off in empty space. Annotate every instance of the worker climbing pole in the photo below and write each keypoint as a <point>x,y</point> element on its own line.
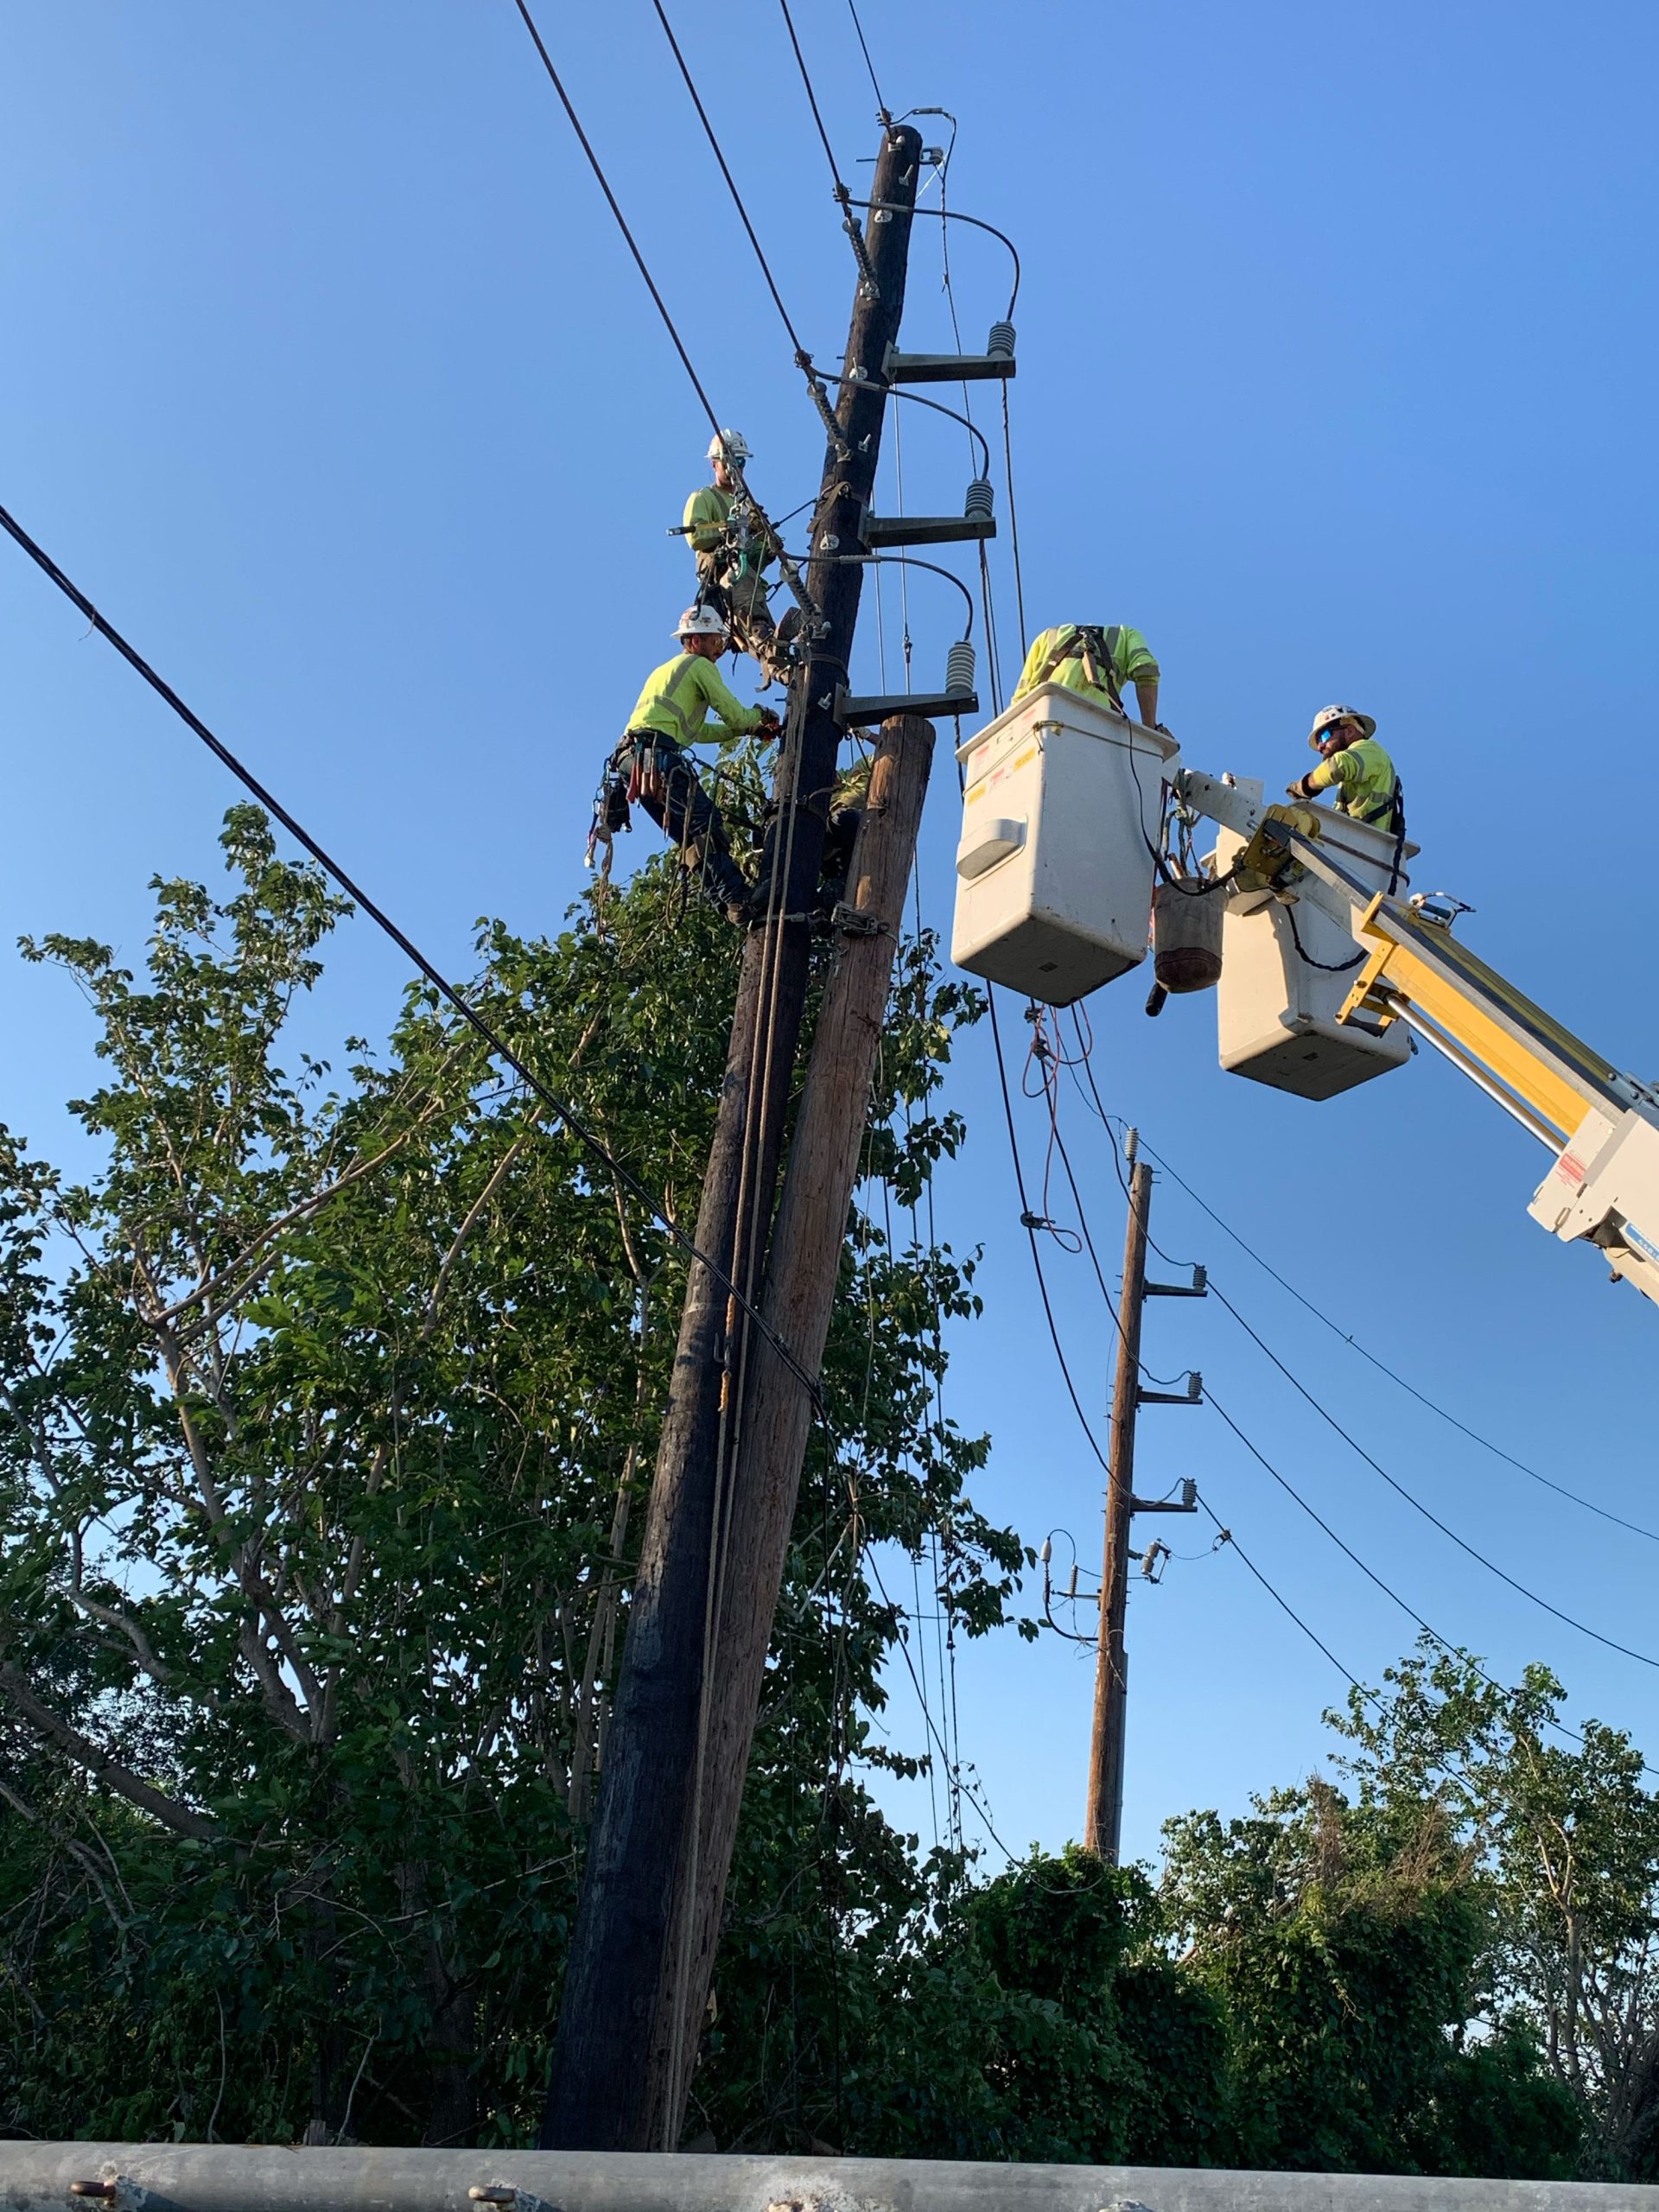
<point>621,2062</point>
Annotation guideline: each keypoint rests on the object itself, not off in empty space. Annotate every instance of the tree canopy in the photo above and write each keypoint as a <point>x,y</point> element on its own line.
<point>326,1405</point>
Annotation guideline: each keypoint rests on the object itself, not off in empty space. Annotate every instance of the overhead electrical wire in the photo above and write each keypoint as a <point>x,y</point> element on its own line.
<point>1226,1536</point>
<point>1577,1498</point>
<point>860,252</point>
<point>1454,1650</point>
<point>955,216</point>
<point>1534,1597</point>
<point>1410,1611</point>
<point>768,528</point>
<point>803,359</point>
<point>1521,1589</point>
<point>882,114</point>
<point>440,983</point>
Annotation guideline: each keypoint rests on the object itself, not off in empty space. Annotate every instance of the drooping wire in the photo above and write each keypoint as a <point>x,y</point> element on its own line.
<point>1534,1597</point>
<point>440,983</point>
<point>956,215</point>
<point>915,399</point>
<point>1224,1535</point>
<point>1634,1527</point>
<point>1521,1589</point>
<point>1370,1573</point>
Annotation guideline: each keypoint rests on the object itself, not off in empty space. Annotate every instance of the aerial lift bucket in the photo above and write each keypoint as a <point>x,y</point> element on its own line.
<point>1062,804</point>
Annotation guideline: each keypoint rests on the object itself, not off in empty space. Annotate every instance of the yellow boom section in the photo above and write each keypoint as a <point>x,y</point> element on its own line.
<point>1495,1026</point>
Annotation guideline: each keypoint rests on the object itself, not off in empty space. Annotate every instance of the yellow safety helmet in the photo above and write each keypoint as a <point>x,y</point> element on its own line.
<point>1327,715</point>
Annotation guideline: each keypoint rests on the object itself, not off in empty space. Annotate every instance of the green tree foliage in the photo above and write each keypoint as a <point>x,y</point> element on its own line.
<point>1562,1838</point>
<point>330,1410</point>
<point>326,1409</point>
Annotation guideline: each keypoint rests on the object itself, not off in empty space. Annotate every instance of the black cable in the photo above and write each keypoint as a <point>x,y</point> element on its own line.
<point>1634,1527</point>
<point>621,220</point>
<point>907,560</point>
<point>803,359</point>
<point>1227,1537</point>
<point>881,110</point>
<point>956,215</point>
<point>1026,1217</point>
<point>842,193</point>
<point>405,945</point>
<point>791,574</point>
<point>1371,1575</point>
<point>1626,1650</point>
<point>1330,966</point>
<point>916,399</point>
<point>952,1768</point>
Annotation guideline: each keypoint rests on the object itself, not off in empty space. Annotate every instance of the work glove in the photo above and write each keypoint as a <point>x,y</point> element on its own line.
<point>770,724</point>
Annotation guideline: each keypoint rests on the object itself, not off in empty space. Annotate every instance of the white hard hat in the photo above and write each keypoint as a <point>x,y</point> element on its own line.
<point>1326,715</point>
<point>702,622</point>
<point>730,446</point>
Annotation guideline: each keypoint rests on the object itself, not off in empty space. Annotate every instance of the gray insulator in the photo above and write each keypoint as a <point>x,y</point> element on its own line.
<point>980,498</point>
<point>1000,344</point>
<point>959,669</point>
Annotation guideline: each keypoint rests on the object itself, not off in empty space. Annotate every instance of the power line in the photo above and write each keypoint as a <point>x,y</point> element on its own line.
<point>880,104</point>
<point>1226,1536</point>
<point>803,359</point>
<point>640,262</point>
<point>1521,1589</point>
<point>1611,1642</point>
<point>787,567</point>
<point>1370,1573</point>
<point>860,253</point>
<point>1634,1527</point>
<point>405,945</point>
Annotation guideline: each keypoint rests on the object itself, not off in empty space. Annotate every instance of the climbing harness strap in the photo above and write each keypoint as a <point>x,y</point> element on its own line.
<point>1087,642</point>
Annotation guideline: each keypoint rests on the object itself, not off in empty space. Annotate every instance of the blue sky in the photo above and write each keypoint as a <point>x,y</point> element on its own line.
<point>328,379</point>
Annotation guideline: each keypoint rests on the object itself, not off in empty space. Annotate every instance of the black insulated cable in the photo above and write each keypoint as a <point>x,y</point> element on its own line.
<point>405,945</point>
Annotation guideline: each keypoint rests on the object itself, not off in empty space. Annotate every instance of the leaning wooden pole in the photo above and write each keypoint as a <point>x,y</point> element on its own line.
<point>615,2079</point>
<point>806,1248</point>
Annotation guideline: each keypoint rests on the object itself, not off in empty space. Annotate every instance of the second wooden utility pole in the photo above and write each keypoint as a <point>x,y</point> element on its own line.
<point>1103,1823</point>
<point>619,2061</point>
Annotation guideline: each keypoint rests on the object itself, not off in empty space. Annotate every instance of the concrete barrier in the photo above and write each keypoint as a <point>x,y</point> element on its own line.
<point>212,2178</point>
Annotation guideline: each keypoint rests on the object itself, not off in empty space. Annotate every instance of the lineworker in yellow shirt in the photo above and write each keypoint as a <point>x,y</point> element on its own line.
<point>1356,767</point>
<point>732,554</point>
<point>1098,660</point>
<point>651,763</point>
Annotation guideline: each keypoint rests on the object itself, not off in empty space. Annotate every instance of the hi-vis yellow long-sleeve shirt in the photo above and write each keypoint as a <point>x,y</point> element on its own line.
<point>1362,776</point>
<point>681,695</point>
<point>707,514</point>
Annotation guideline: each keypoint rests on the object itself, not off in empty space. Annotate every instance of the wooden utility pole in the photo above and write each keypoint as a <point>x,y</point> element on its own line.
<point>806,1248</point>
<point>1104,1823</point>
<point>618,2063</point>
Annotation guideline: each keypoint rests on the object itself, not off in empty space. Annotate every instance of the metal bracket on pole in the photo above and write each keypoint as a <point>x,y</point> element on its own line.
<point>877,530</point>
<point>851,712</point>
<point>945,368</point>
<point>1192,1395</point>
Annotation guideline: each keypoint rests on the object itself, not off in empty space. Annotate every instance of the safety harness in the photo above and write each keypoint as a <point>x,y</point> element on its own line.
<point>1093,646</point>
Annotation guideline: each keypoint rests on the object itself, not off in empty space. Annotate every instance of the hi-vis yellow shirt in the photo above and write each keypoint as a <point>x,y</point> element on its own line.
<point>708,513</point>
<point>682,694</point>
<point>1362,776</point>
<point>1132,658</point>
